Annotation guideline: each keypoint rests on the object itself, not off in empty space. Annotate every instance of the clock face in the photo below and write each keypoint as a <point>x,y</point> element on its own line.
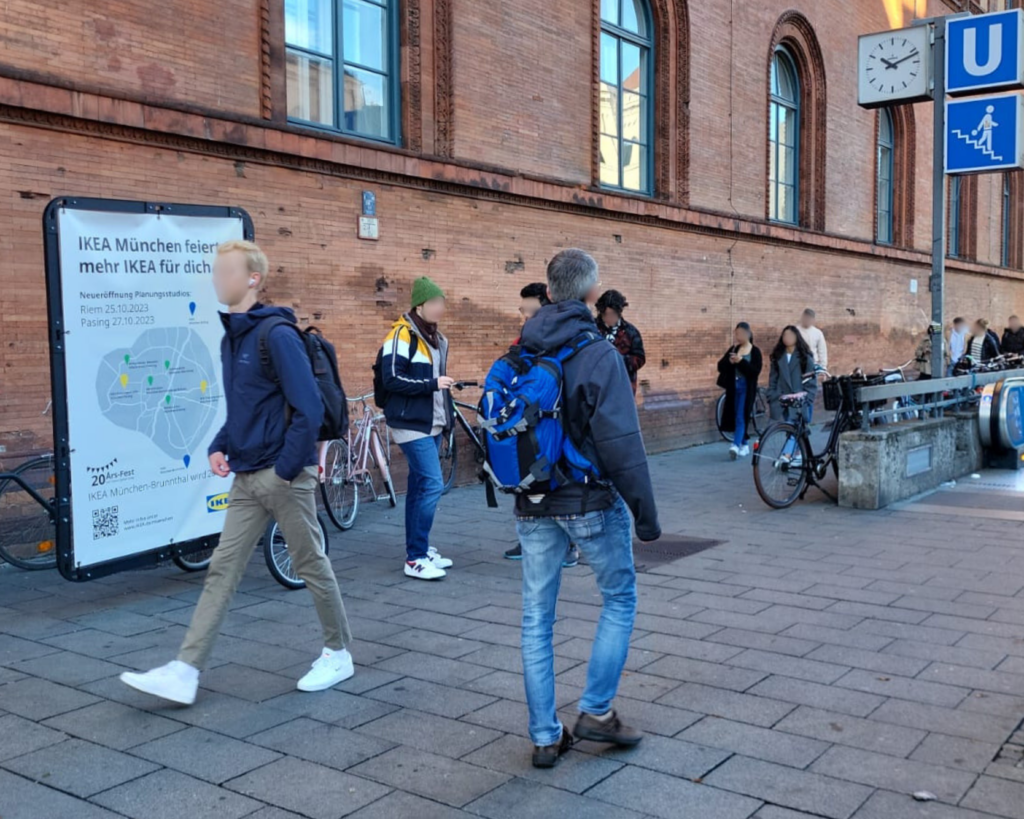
<point>894,66</point>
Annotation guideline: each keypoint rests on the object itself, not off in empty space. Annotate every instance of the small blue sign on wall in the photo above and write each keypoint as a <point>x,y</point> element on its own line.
<point>984,133</point>
<point>369,203</point>
<point>985,52</point>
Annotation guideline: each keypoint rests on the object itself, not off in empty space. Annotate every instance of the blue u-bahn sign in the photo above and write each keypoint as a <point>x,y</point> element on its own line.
<point>984,52</point>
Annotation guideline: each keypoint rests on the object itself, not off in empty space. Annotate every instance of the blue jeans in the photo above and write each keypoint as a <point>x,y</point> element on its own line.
<point>606,539</point>
<point>740,435</point>
<point>425,489</point>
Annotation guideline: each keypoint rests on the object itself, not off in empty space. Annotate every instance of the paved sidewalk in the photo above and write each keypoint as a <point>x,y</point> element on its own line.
<point>820,662</point>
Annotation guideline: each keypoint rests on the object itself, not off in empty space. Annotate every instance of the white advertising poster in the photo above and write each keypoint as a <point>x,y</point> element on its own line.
<point>143,376</point>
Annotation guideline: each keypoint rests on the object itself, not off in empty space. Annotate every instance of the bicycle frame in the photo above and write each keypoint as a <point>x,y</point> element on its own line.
<point>16,478</point>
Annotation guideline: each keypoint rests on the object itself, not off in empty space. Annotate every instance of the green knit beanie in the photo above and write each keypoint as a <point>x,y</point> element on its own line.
<point>424,290</point>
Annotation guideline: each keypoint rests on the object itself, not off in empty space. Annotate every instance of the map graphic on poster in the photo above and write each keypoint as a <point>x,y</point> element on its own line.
<point>164,387</point>
<point>142,373</point>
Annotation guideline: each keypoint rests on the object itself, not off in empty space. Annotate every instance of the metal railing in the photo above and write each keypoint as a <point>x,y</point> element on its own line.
<point>961,390</point>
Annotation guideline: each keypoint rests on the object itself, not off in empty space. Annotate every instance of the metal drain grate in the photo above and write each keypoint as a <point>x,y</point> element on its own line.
<point>668,549</point>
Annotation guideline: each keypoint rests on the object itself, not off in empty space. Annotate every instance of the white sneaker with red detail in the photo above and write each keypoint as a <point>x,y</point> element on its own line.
<point>330,668</point>
<point>176,681</point>
<point>423,569</point>
<point>438,559</point>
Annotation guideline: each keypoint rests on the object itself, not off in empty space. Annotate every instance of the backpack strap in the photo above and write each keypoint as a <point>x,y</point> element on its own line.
<point>266,361</point>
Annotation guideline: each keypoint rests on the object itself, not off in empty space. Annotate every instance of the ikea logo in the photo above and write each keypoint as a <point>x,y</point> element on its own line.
<point>217,503</point>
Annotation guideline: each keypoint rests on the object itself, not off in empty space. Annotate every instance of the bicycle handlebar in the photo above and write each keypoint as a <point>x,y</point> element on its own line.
<point>461,385</point>
<point>359,398</point>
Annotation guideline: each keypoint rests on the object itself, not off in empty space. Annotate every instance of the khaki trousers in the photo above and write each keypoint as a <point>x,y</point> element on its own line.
<point>256,498</point>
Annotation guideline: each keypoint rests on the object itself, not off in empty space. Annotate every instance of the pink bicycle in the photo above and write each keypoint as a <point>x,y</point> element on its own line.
<point>345,466</point>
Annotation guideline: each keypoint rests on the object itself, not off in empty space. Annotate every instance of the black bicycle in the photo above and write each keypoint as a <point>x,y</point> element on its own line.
<point>758,419</point>
<point>785,464</point>
<point>28,532</point>
<point>449,442</point>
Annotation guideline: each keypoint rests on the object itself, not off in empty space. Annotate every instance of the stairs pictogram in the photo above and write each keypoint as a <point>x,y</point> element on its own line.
<point>975,143</point>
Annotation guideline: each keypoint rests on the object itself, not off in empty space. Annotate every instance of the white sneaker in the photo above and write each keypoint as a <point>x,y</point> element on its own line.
<point>744,451</point>
<point>330,668</point>
<point>734,452</point>
<point>176,681</point>
<point>423,569</point>
<point>436,558</point>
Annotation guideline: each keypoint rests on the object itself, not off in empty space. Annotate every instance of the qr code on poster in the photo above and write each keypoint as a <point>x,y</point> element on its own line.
<point>105,522</point>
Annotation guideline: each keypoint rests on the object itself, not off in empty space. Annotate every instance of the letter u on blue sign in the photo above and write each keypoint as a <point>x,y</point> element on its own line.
<point>984,52</point>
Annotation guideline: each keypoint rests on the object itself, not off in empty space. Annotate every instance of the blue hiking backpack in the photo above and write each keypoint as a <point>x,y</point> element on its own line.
<point>528,448</point>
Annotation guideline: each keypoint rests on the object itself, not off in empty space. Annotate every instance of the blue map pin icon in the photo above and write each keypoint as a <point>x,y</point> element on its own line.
<point>187,459</point>
<point>192,308</point>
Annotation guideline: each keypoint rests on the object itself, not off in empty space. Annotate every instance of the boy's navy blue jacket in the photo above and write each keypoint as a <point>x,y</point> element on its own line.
<point>258,432</point>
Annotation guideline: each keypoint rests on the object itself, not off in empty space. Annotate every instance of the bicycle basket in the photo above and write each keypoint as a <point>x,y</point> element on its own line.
<point>832,391</point>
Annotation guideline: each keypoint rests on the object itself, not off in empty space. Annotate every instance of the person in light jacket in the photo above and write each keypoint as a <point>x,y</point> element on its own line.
<point>738,371</point>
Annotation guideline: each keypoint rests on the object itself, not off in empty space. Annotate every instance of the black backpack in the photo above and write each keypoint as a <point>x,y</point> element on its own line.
<point>324,362</point>
<point>380,394</point>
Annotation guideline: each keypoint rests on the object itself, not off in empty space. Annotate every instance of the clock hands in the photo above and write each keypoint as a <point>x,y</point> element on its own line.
<point>894,63</point>
<point>888,64</point>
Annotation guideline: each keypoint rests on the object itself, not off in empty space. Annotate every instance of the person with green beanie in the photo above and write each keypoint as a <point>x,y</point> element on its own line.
<point>418,409</point>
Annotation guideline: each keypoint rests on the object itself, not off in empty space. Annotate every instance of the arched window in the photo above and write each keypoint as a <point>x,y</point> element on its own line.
<point>1007,209</point>
<point>885,179</point>
<point>955,215</point>
<point>784,139</point>
<point>625,95</point>
<point>342,58</point>
<point>962,224</point>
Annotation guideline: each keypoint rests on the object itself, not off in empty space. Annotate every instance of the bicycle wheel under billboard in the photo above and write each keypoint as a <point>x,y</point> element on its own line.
<point>136,378</point>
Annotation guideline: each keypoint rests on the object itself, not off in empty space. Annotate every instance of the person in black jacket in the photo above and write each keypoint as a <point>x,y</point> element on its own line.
<point>1013,337</point>
<point>621,333</point>
<point>600,417</point>
<point>983,345</point>
<point>738,371</point>
<point>269,442</point>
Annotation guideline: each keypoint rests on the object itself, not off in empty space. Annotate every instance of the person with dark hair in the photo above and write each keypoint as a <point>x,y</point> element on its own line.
<point>1013,337</point>
<point>792,371</point>
<point>621,333</point>
<point>738,371</point>
<point>983,345</point>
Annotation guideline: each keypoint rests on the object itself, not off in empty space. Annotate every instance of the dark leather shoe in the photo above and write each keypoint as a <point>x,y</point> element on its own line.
<point>547,755</point>
<point>611,731</point>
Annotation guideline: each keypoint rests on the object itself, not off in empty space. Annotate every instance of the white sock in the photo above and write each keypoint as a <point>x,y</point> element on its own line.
<point>603,717</point>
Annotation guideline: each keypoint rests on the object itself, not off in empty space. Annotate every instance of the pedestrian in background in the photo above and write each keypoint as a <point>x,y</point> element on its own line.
<point>600,418</point>
<point>957,342</point>
<point>1013,337</point>
<point>738,371</point>
<point>983,345</point>
<point>621,333</point>
<point>815,339</point>
<point>269,442</point>
<point>418,408</point>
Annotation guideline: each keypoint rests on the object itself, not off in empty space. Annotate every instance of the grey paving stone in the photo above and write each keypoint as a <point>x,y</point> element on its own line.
<point>999,796</point>
<point>205,755</point>
<point>429,697</point>
<point>429,732</point>
<point>322,743</point>
<point>432,621</point>
<point>789,787</point>
<point>661,795</point>
<point>429,642</point>
<point>274,813</point>
<point>815,695</point>
<point>123,623</point>
<point>750,740</point>
<point>20,736</point>
<point>22,799</point>
<point>799,667</point>
<point>684,647</point>
<point>38,699</point>
<point>677,628</point>
<point>501,684</point>
<point>433,668</point>
<point>36,626</point>
<point>68,669</point>
<point>525,799</point>
<point>100,644</point>
<point>398,804</point>
<point>114,725</point>
<point>959,654</point>
<point>904,631</point>
<point>172,795</point>
<point>13,649</point>
<point>805,601</point>
<point>78,767</point>
<point>888,805</point>
<point>918,690</point>
<point>890,773</point>
<point>704,600</point>
<point>576,771</point>
<point>698,671</point>
<point>247,683</point>
<point>861,595</point>
<point>567,655</point>
<point>855,638</point>
<point>884,663</point>
<point>956,752</point>
<point>260,656</point>
<point>843,729</point>
<point>430,775</point>
<point>999,681</point>
<point>337,707</point>
<point>998,705</point>
<point>505,716</point>
<point>309,789</point>
<point>671,756</point>
<point>777,643</point>
<point>756,710</point>
<point>956,722</point>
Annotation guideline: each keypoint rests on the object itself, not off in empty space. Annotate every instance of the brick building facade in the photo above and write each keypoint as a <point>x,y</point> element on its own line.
<point>493,161</point>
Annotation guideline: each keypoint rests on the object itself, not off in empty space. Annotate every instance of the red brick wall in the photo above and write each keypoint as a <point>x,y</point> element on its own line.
<point>197,53</point>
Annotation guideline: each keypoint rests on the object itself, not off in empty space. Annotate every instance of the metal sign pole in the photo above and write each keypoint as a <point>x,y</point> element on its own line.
<point>938,278</point>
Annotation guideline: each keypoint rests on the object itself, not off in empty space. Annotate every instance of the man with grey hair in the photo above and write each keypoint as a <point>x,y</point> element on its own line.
<point>599,415</point>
